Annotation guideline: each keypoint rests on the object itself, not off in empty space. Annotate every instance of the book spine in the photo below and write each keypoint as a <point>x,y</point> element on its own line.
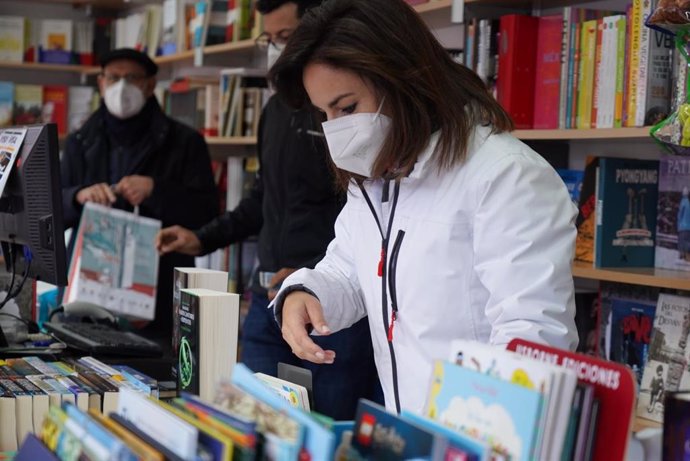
<point>620,71</point>
<point>598,86</point>
<point>644,61</point>
<point>633,70</point>
<point>565,74</point>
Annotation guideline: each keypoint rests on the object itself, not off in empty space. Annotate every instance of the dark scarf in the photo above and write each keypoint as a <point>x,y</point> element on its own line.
<point>129,131</point>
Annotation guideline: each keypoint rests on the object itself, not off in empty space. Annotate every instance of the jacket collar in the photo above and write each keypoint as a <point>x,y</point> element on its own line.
<point>426,161</point>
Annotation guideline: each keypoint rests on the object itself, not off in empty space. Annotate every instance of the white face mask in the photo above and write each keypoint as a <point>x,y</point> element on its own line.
<point>273,53</point>
<point>123,100</point>
<point>355,140</point>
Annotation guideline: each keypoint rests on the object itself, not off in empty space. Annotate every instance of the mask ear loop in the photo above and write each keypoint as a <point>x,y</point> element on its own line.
<point>378,111</point>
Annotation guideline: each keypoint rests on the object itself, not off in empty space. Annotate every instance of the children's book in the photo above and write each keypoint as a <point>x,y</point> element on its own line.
<point>626,212</point>
<point>114,263</point>
<point>500,413</point>
<point>556,386</point>
<point>282,434</point>
<point>631,331</point>
<point>673,219</point>
<point>666,368</point>
<point>293,393</point>
<point>319,441</point>
<point>586,218</point>
<point>55,107</point>
<point>573,181</point>
<point>387,437</point>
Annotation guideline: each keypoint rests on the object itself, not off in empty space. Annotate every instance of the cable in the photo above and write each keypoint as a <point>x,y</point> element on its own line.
<point>14,272</point>
<point>13,293</point>
<point>7,314</point>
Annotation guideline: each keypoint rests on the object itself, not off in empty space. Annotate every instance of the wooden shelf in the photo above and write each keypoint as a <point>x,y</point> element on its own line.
<point>433,6</point>
<point>231,141</point>
<point>662,278</point>
<point>77,69</point>
<point>591,133</point>
<point>640,423</point>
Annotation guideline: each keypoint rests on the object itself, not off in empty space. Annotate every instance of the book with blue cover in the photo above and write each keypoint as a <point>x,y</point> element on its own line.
<point>626,211</point>
<point>500,413</point>
<point>384,436</point>
<point>631,332</point>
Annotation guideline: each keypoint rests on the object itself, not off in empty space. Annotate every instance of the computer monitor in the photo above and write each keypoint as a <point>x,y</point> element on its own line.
<point>31,209</point>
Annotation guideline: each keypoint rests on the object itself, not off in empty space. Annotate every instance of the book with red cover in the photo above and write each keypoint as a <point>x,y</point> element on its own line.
<point>55,106</point>
<point>548,72</point>
<point>614,387</point>
<point>517,58</point>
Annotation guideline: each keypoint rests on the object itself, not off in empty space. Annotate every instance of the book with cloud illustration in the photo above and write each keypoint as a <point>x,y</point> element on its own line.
<point>503,414</point>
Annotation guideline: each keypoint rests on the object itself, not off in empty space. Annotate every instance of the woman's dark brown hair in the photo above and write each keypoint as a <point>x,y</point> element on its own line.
<point>387,43</point>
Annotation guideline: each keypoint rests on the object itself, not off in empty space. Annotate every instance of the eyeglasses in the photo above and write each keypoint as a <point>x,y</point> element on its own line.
<point>265,39</point>
<point>112,79</point>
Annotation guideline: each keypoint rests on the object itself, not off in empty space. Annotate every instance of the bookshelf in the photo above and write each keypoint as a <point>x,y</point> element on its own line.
<point>39,66</point>
<point>649,276</point>
<point>586,134</point>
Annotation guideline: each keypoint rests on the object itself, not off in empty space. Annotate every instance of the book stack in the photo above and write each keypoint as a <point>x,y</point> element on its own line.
<point>486,403</point>
<point>29,386</point>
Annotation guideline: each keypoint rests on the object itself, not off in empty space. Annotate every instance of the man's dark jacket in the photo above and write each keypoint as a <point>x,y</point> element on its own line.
<point>293,203</point>
<point>177,159</point>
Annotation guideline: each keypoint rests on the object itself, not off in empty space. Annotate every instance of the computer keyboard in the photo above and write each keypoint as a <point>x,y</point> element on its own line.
<point>102,339</point>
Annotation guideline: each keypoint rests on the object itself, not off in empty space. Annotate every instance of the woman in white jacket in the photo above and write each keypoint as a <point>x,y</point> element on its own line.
<point>452,228</point>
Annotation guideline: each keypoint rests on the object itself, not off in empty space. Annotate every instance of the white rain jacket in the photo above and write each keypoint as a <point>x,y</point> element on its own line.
<point>480,252</point>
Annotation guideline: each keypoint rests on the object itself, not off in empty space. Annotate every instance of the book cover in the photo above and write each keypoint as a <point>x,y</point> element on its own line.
<point>56,35</point>
<point>555,385</point>
<point>505,415</point>
<point>587,321</point>
<point>79,106</point>
<point>610,291</point>
<point>114,264</point>
<point>387,437</point>
<point>28,104</point>
<point>586,70</point>
<point>614,387</point>
<point>626,212</point>
<point>295,394</point>
<point>12,38</point>
<point>573,181</point>
<point>208,323</point>
<point>676,427</point>
<point>586,218</point>
<point>6,103</point>
<point>55,107</point>
<point>666,368</point>
<point>178,436</point>
<point>631,331</point>
<point>191,277</point>
<point>672,249</point>
<point>319,441</point>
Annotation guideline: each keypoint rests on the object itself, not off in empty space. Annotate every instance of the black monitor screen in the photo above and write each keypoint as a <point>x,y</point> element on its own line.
<point>31,209</point>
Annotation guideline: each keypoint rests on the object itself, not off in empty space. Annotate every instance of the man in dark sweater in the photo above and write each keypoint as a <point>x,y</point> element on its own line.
<point>292,206</point>
<point>129,153</point>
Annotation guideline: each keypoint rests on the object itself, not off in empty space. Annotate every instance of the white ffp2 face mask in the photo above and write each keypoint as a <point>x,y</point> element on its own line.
<point>123,100</point>
<point>355,140</point>
<point>273,53</point>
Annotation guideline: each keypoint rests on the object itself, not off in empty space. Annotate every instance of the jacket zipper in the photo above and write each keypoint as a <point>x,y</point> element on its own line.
<point>382,272</point>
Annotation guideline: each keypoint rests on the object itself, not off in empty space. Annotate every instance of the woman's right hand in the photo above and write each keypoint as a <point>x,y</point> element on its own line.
<point>301,312</point>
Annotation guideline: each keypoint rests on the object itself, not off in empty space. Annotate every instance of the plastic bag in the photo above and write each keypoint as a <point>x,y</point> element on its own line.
<point>670,16</point>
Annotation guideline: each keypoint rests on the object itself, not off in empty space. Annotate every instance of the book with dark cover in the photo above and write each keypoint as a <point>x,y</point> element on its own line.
<point>631,331</point>
<point>676,427</point>
<point>627,192</point>
<point>188,349</point>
